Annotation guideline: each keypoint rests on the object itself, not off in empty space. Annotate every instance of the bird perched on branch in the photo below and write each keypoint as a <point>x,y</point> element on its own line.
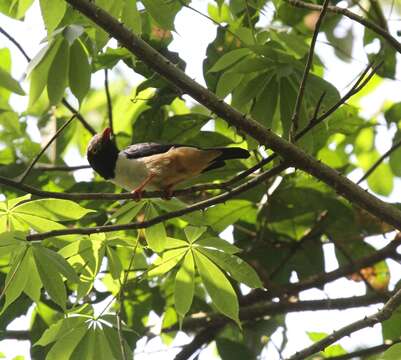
<point>152,165</point>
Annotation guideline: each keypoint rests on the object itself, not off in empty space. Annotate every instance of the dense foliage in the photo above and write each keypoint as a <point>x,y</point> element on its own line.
<point>92,292</point>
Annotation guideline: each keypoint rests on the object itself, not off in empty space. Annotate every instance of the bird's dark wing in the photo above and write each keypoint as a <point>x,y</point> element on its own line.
<point>137,151</point>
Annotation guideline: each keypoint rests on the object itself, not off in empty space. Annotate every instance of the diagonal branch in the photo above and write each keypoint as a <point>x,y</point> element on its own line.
<point>385,313</point>
<point>318,280</point>
<point>41,152</point>
<point>294,155</point>
<point>379,161</point>
<point>75,112</point>
<point>308,65</point>
<point>349,14</point>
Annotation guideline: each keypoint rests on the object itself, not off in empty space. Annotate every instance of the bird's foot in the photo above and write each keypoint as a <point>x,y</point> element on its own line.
<point>137,194</point>
<point>168,194</point>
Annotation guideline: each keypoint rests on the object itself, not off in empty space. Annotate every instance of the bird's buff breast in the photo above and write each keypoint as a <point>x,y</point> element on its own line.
<point>129,173</point>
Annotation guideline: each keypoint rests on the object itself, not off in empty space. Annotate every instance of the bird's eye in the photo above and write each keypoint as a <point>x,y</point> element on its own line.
<point>96,149</point>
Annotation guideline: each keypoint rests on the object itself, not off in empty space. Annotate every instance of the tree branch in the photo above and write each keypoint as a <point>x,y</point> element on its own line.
<point>260,310</point>
<point>318,280</point>
<point>204,337</point>
<point>295,156</point>
<point>308,65</point>
<point>75,112</point>
<point>41,152</point>
<point>158,219</point>
<point>384,314</point>
<point>349,14</point>
<point>109,103</point>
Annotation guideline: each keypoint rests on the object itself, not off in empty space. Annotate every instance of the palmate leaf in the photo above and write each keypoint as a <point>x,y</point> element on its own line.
<point>7,82</point>
<point>52,12</point>
<point>156,234</point>
<point>81,338</point>
<point>165,263</point>
<point>40,215</point>
<point>58,73</point>
<point>50,276</point>
<point>235,266</point>
<point>16,278</point>
<point>79,76</point>
<point>184,285</point>
<point>86,257</point>
<point>217,286</point>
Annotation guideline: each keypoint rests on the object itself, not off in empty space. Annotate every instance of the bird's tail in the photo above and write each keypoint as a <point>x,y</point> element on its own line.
<point>227,154</point>
<point>232,153</point>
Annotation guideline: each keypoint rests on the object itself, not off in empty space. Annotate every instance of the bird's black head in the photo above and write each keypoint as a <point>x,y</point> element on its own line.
<point>102,154</point>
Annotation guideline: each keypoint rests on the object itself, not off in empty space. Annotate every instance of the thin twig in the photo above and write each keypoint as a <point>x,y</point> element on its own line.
<point>120,299</point>
<point>362,353</point>
<point>363,21</point>
<point>379,161</point>
<point>48,167</point>
<point>380,316</point>
<point>64,100</point>
<point>41,152</point>
<point>308,65</point>
<point>109,102</point>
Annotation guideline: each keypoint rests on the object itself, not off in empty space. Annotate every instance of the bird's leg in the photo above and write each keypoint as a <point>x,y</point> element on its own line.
<point>137,192</point>
<point>168,193</point>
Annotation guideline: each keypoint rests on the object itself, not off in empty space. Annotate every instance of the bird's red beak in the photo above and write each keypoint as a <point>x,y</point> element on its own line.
<point>106,134</point>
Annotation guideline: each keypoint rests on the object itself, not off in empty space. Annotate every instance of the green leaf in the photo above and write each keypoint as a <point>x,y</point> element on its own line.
<point>50,276</point>
<point>7,82</point>
<point>59,263</point>
<point>227,83</point>
<point>156,234</point>
<point>52,12</point>
<point>34,285</point>
<point>131,17</point>
<point>229,59</point>
<point>194,232</point>
<point>163,12</point>
<point>65,346</point>
<point>16,278</point>
<point>127,212</point>
<point>40,66</point>
<point>184,285</point>
<point>223,215</point>
<point>218,243</point>
<point>265,104</point>
<point>11,241</point>
<point>393,114</point>
<point>218,287</point>
<point>164,264</point>
<point>394,352</point>
<point>53,209</point>
<point>381,180</point>
<point>58,74</point>
<point>86,348</point>
<point>181,128</point>
<point>235,266</point>
<point>79,70</point>
<point>114,263</point>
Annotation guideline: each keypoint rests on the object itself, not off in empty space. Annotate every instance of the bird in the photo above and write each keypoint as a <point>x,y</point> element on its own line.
<point>153,165</point>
